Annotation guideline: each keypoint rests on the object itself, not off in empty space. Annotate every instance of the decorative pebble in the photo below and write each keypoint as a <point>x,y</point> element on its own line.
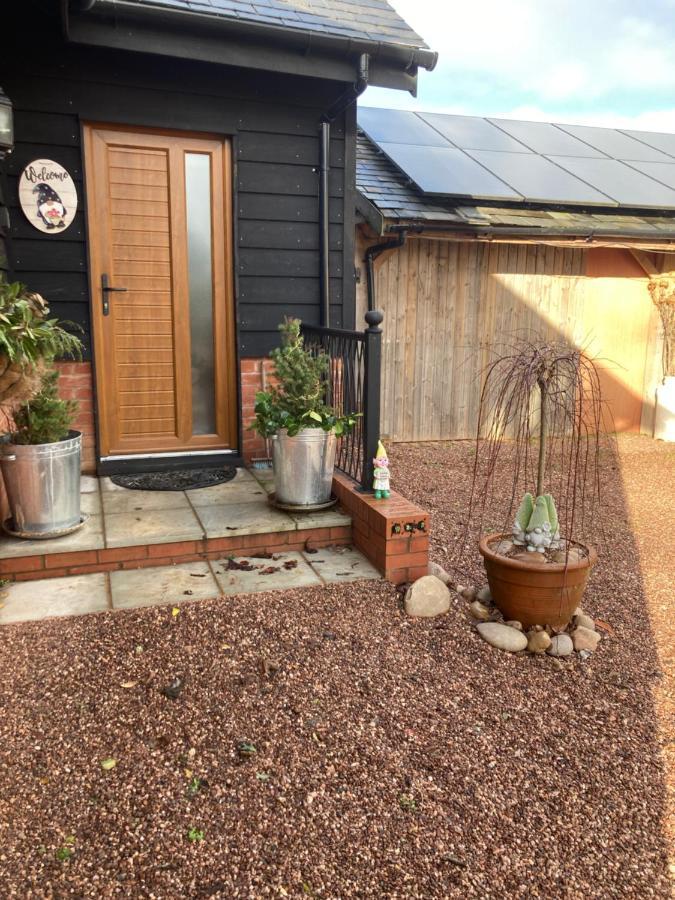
<point>427,597</point>
<point>538,641</point>
<point>468,593</point>
<point>584,621</point>
<point>484,595</point>
<point>502,637</point>
<point>479,611</point>
<point>561,645</point>
<point>514,623</point>
<point>439,572</point>
<point>585,639</point>
<point>503,547</point>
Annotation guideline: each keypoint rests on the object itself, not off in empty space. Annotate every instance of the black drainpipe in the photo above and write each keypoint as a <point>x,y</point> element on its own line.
<point>340,105</point>
<point>371,255</point>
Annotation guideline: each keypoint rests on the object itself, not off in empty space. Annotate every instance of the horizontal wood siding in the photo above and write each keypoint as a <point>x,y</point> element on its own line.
<point>448,305</point>
<point>273,120</point>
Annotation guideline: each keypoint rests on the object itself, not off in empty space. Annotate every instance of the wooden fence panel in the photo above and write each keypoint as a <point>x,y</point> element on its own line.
<point>449,304</point>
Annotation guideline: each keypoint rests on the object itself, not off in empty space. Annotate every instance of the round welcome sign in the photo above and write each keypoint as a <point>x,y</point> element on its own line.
<point>47,195</point>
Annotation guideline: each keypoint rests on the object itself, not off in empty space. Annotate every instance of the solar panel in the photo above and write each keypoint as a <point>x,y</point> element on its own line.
<point>538,179</point>
<point>664,142</point>
<point>663,172</point>
<point>546,139</point>
<point>619,181</point>
<point>473,133</point>
<point>445,170</point>
<point>615,144</point>
<point>398,126</point>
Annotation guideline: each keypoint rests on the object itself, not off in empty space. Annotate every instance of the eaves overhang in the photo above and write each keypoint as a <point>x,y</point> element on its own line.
<point>186,34</point>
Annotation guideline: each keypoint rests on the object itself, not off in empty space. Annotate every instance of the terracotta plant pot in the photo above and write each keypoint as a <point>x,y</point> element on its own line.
<point>535,593</point>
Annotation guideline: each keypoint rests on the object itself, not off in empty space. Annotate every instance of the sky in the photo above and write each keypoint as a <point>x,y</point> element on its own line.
<point>589,62</point>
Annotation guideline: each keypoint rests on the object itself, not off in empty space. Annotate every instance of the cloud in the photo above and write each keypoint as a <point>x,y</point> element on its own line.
<point>569,60</point>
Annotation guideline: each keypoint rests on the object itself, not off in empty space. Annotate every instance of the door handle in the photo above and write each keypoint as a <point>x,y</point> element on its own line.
<point>106,288</point>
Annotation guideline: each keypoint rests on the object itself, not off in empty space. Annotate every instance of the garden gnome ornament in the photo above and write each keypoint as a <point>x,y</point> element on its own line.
<point>381,473</point>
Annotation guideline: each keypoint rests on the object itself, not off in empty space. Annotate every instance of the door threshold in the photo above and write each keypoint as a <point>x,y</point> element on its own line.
<point>164,462</point>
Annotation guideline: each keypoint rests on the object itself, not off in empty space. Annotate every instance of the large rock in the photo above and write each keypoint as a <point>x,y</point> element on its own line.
<point>561,645</point>
<point>427,596</point>
<point>538,641</point>
<point>479,611</point>
<point>585,638</point>
<point>440,573</point>
<point>502,636</point>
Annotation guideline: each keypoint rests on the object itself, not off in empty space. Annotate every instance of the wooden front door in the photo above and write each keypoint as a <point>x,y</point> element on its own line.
<point>159,215</point>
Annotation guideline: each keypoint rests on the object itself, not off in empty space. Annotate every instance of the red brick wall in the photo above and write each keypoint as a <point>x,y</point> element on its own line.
<point>255,376</point>
<point>75,382</point>
<point>393,534</point>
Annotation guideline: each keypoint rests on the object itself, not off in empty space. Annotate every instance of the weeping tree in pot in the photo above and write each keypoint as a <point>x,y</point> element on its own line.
<point>40,455</point>
<point>539,437</point>
<point>303,427</point>
<point>662,292</point>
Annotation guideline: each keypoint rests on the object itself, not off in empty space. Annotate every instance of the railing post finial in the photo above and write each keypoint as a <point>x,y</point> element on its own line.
<point>374,318</point>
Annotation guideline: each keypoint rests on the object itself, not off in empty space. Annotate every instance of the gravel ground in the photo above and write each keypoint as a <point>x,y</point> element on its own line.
<point>391,757</point>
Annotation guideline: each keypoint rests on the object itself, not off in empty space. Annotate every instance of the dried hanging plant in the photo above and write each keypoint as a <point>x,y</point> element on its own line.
<point>663,296</point>
<point>541,424</point>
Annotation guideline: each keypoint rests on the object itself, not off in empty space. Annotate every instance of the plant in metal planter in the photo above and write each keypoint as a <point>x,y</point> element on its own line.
<point>41,465</point>
<point>28,338</point>
<point>540,426</point>
<point>303,426</point>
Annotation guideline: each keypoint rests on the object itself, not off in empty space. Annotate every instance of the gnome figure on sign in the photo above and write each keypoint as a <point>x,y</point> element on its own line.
<point>381,473</point>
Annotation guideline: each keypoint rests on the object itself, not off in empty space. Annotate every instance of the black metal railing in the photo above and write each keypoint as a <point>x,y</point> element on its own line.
<point>353,386</point>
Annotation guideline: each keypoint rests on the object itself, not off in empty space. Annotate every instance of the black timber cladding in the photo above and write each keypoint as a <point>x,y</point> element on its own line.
<point>273,120</point>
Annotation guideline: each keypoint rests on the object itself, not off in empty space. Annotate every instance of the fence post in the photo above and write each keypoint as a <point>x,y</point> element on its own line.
<point>371,404</point>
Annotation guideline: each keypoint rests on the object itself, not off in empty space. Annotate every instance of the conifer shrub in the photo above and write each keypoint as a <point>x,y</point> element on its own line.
<point>46,418</point>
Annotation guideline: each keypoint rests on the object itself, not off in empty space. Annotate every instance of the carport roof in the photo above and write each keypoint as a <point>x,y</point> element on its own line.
<point>388,199</point>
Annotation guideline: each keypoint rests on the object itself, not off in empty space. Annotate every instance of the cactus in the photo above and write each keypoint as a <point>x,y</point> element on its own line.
<point>552,513</point>
<point>525,511</point>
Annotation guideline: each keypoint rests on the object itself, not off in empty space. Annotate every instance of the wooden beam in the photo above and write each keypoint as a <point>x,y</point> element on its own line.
<point>646,261</point>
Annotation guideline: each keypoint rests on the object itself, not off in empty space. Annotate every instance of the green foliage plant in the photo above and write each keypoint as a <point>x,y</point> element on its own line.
<point>46,418</point>
<point>29,338</point>
<point>297,399</point>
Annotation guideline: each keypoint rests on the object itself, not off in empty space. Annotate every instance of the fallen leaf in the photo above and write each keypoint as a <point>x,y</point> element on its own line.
<point>129,684</point>
<point>262,776</point>
<point>175,611</point>
<point>605,626</point>
<point>108,764</point>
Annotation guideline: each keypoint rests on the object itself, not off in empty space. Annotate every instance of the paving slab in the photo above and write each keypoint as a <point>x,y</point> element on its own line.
<point>71,596</point>
<point>90,503</point>
<point>151,526</point>
<point>127,501</point>
<point>265,477</point>
<point>342,564</point>
<point>88,484</point>
<point>89,537</point>
<point>232,519</point>
<point>166,584</point>
<point>327,518</point>
<point>267,574</point>
<point>235,491</point>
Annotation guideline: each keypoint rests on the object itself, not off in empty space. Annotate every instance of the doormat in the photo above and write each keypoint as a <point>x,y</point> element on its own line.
<point>176,480</point>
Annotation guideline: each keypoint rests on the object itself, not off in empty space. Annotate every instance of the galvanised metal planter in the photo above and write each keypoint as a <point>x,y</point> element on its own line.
<point>43,485</point>
<point>303,466</point>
